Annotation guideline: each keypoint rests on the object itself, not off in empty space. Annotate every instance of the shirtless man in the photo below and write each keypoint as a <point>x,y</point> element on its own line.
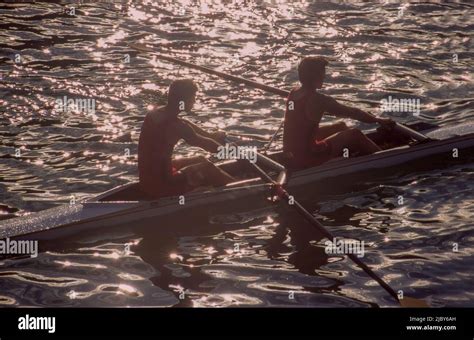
<point>305,142</point>
<point>160,174</point>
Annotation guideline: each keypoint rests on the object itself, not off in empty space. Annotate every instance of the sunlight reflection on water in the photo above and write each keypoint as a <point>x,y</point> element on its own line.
<point>260,258</point>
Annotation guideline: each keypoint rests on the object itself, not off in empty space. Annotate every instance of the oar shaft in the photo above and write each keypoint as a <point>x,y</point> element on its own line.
<point>264,160</point>
<point>282,177</point>
<point>326,233</point>
<point>374,276</point>
<point>269,163</point>
<point>310,218</point>
<point>241,80</point>
<point>241,136</point>
<point>283,93</point>
<point>410,132</point>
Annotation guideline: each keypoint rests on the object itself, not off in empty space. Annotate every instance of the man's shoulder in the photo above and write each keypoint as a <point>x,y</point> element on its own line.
<point>322,97</point>
<point>299,93</point>
<point>322,100</point>
<point>157,115</point>
<point>181,123</point>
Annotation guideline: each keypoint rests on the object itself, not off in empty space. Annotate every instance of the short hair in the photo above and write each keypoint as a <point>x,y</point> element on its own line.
<point>310,68</point>
<point>181,89</point>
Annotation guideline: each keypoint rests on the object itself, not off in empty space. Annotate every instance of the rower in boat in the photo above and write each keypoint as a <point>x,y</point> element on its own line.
<point>160,174</point>
<point>305,142</point>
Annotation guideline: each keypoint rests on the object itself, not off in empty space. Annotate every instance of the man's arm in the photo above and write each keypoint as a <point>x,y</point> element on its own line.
<point>195,139</point>
<point>331,106</point>
<point>217,136</point>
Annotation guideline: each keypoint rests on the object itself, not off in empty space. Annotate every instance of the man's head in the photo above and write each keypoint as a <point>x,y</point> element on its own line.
<point>182,95</point>
<point>311,72</point>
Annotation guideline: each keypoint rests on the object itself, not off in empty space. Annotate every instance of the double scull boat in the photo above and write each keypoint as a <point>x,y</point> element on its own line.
<point>123,206</point>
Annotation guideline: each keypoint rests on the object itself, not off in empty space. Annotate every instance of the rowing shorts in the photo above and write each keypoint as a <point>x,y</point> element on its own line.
<point>320,153</point>
<point>176,185</point>
<point>321,148</point>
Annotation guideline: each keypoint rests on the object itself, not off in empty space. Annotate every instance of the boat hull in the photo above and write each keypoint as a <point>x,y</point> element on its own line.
<point>69,220</point>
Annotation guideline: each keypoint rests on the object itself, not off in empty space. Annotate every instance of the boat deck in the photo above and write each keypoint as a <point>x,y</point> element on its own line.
<point>125,206</point>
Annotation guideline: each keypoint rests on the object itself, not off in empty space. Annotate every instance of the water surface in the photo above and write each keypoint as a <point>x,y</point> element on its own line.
<point>268,257</point>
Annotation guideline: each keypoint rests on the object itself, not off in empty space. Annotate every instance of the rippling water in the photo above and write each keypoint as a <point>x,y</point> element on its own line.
<point>262,258</point>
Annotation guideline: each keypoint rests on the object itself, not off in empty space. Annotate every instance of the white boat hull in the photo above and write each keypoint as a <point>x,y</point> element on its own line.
<point>68,220</point>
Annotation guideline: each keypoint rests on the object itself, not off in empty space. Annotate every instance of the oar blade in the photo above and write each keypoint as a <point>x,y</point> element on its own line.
<point>409,302</point>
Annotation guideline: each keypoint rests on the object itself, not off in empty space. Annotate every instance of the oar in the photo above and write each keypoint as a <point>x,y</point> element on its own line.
<point>281,192</point>
<point>247,136</point>
<point>267,88</point>
<point>406,301</point>
<point>411,133</point>
<point>142,47</point>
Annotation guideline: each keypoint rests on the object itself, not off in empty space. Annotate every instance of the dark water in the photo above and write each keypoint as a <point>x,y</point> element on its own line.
<point>270,258</point>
